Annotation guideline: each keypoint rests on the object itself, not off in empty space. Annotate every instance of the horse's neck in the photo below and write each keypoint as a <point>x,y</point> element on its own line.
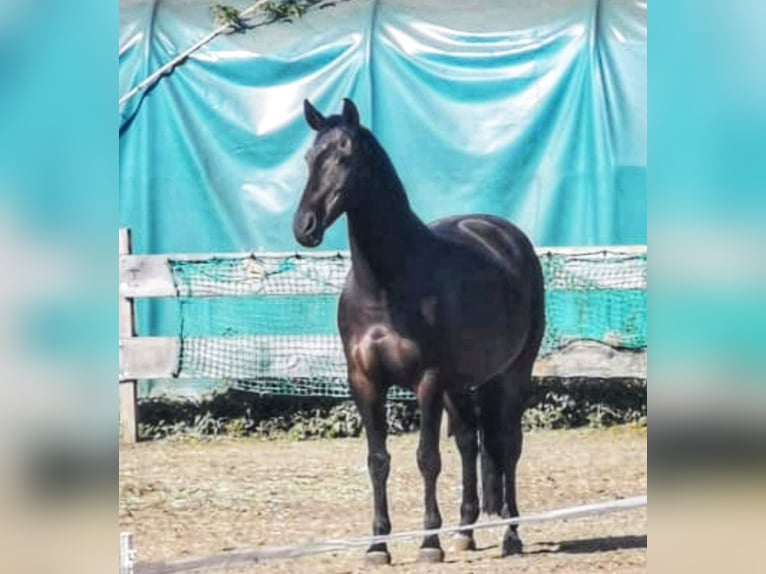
<point>382,239</point>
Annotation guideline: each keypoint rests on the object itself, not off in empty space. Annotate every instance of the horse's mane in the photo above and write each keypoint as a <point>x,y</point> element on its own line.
<point>382,169</point>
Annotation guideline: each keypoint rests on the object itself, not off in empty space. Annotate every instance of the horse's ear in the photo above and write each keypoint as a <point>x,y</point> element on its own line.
<point>350,113</point>
<point>313,118</point>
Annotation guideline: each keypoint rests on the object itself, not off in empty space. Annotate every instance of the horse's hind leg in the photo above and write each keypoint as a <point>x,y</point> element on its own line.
<point>371,403</point>
<point>490,397</point>
<point>463,419</point>
<point>430,399</point>
<point>511,541</point>
<point>514,400</point>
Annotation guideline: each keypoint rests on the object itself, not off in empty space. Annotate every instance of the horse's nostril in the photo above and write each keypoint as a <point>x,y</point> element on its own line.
<point>309,223</point>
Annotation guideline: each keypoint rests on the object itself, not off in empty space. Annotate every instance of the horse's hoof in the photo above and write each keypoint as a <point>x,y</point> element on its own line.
<point>377,558</point>
<point>512,544</point>
<point>462,543</point>
<point>430,555</point>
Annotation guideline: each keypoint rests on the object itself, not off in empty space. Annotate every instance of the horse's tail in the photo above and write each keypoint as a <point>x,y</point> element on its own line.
<point>490,407</point>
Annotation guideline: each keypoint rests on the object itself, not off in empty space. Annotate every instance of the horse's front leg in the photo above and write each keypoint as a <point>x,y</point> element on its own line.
<point>430,398</point>
<point>370,400</point>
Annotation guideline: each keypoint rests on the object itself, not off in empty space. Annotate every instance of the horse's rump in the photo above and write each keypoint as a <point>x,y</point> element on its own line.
<point>490,236</point>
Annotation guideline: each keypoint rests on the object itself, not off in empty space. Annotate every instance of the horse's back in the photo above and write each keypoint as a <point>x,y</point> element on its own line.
<point>496,238</point>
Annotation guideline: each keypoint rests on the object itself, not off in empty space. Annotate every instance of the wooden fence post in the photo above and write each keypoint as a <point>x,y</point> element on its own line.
<point>128,423</point>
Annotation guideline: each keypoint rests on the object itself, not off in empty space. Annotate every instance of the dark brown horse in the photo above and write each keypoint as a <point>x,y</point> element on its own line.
<point>453,311</point>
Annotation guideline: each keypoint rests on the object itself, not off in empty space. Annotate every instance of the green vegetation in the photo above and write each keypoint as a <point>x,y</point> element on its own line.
<point>275,11</point>
<point>558,404</point>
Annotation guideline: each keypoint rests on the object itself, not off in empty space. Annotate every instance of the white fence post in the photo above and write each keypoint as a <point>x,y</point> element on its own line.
<point>127,553</point>
<point>128,423</point>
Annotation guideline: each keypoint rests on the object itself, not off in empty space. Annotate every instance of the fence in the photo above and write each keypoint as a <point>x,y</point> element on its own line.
<point>265,321</point>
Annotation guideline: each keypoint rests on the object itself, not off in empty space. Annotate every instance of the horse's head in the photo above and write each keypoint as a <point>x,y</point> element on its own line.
<point>332,162</point>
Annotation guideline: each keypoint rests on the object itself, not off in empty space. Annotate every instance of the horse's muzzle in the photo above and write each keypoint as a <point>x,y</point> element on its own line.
<point>307,229</point>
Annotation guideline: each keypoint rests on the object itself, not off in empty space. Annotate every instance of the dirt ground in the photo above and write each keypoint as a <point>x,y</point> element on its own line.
<point>186,498</point>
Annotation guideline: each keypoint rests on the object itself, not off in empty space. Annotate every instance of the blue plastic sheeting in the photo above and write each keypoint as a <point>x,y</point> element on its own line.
<point>533,111</point>
<point>529,110</point>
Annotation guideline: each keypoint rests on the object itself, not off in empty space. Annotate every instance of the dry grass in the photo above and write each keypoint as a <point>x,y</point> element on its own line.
<point>191,498</point>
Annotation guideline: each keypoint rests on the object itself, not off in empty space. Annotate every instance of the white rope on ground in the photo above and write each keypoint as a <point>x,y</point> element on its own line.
<point>240,557</point>
<point>159,72</point>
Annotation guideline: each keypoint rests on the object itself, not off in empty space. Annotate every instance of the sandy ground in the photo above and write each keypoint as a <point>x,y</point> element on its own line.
<point>186,498</point>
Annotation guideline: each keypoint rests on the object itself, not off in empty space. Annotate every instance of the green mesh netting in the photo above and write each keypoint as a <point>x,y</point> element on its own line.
<point>266,323</point>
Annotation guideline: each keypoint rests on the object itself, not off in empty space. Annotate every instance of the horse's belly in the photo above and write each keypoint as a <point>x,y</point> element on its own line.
<point>475,355</point>
<point>485,324</point>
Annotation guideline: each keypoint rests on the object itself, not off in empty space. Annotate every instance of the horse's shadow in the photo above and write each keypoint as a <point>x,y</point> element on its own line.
<point>581,546</point>
<point>591,545</point>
